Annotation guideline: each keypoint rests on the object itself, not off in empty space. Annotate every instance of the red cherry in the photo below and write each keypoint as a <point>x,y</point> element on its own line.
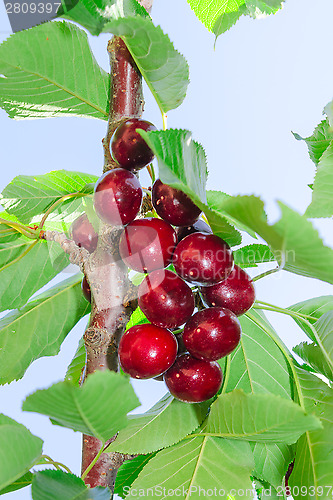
<point>212,333</point>
<point>193,380</point>
<point>203,259</point>
<point>86,289</point>
<point>118,197</point>
<point>236,292</point>
<point>147,244</point>
<point>173,205</point>
<point>83,233</point>
<point>128,148</point>
<point>199,226</point>
<point>165,299</point>
<point>147,351</point>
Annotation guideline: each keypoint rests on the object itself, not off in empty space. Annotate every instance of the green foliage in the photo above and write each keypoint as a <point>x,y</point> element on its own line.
<point>39,81</point>
<point>313,309</point>
<point>313,356</point>
<point>252,255</point>
<point>20,483</point>
<point>74,370</point>
<point>58,485</point>
<point>128,472</point>
<point>271,462</point>
<point>19,450</point>
<point>322,194</point>
<point>84,408</point>
<point>39,328</point>
<point>319,141</point>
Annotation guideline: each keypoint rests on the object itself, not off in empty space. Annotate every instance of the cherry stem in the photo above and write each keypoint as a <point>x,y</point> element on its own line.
<point>151,171</point>
<point>20,228</point>
<point>57,465</point>
<point>93,462</point>
<point>266,273</point>
<point>55,205</point>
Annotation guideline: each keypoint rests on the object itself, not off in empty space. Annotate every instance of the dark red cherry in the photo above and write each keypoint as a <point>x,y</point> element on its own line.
<point>212,333</point>
<point>193,380</point>
<point>203,259</point>
<point>118,197</point>
<point>173,205</point>
<point>147,351</point>
<point>165,299</point>
<point>86,289</point>
<point>199,226</point>
<point>128,148</point>
<point>147,244</point>
<point>236,292</point>
<point>83,233</point>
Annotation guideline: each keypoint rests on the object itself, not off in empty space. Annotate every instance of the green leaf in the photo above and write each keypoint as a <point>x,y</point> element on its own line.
<point>19,450</point>
<point>251,255</point>
<point>322,194</point>
<point>200,462</point>
<point>313,309</point>
<point>128,472</point>
<point>75,368</point>
<point>27,196</point>
<point>137,318</point>
<point>163,425</point>
<point>314,454</point>
<point>39,262</point>
<point>39,328</point>
<point>228,19</point>
<point>94,15</point>
<point>313,356</point>
<point>164,69</point>
<point>324,337</point>
<point>258,7</point>
<point>258,417</point>
<point>39,80</point>
<point>319,141</point>
<point>271,462</point>
<point>182,164</point>
<point>22,482</point>
<point>58,485</point>
<point>98,408</point>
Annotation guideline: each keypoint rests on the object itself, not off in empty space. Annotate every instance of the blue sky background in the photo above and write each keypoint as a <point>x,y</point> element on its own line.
<point>265,79</point>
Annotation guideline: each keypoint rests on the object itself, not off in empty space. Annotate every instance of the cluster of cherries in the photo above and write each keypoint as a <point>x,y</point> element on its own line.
<point>186,356</point>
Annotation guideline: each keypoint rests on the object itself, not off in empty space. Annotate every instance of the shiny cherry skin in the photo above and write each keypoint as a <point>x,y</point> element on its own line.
<point>193,380</point>
<point>212,333</point>
<point>128,148</point>
<point>118,197</point>
<point>147,244</point>
<point>165,299</point>
<point>199,226</point>
<point>83,233</point>
<point>86,289</point>
<point>147,351</point>
<point>236,292</point>
<point>173,205</point>
<point>203,259</point>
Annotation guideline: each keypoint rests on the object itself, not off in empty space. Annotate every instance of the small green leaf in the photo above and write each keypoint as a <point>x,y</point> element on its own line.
<point>39,328</point>
<point>271,462</point>
<point>98,408</point>
<point>322,194</point>
<point>164,69</point>
<point>19,450</point>
<point>20,483</point>
<point>259,7</point>
<point>163,425</point>
<point>58,485</point>
<point>137,318</point>
<point>39,80</point>
<point>128,472</point>
<point>75,368</point>
<point>258,417</point>
<point>313,356</point>
<point>251,255</point>
<point>314,309</point>
<point>319,141</point>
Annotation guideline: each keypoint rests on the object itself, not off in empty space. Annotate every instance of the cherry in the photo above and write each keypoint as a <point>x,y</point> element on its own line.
<point>147,244</point>
<point>165,299</point>
<point>203,259</point>
<point>199,226</point>
<point>118,197</point>
<point>86,289</point>
<point>236,292</point>
<point>147,351</point>
<point>128,148</point>
<point>173,205</point>
<point>212,333</point>
<point>83,233</point>
<point>193,380</point>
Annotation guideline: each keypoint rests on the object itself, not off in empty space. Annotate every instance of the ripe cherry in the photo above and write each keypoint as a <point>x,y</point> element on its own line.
<point>173,205</point>
<point>235,293</point>
<point>193,380</point>
<point>128,148</point>
<point>212,333</point>
<point>147,244</point>
<point>199,226</point>
<point>147,351</point>
<point>86,289</point>
<point>203,259</point>
<point>165,299</point>
<point>118,197</point>
<point>83,233</point>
